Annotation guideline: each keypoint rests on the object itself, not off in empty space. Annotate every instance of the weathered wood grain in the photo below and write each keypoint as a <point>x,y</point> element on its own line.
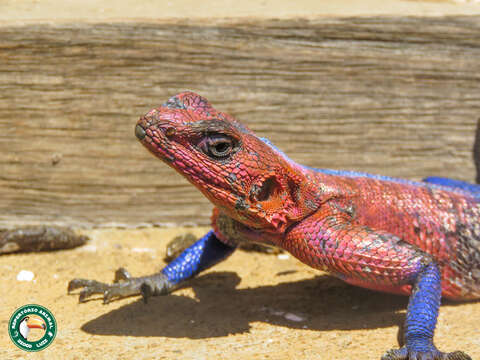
<point>396,96</point>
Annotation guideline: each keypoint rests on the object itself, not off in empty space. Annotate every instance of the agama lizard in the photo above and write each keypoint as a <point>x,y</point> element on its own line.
<point>420,239</point>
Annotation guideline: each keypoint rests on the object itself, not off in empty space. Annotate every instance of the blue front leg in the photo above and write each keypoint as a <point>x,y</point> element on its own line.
<point>421,319</point>
<point>205,253</point>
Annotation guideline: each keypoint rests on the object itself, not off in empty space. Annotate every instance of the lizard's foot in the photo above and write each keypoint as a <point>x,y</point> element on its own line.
<point>123,285</point>
<point>434,354</point>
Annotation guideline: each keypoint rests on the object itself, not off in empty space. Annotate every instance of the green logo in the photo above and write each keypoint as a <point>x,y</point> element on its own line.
<point>32,327</point>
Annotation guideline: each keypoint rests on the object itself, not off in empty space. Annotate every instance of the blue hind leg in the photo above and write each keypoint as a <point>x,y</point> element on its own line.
<point>421,319</point>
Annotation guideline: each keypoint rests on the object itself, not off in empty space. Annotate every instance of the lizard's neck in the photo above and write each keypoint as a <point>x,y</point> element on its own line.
<point>296,191</point>
<point>307,191</point>
<point>283,196</point>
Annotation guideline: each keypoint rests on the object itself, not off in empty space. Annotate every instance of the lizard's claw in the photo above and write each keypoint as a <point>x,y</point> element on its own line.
<point>405,354</point>
<point>91,287</point>
<point>123,285</point>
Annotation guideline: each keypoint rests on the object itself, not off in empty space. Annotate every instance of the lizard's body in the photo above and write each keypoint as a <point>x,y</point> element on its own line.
<point>371,231</point>
<point>408,210</point>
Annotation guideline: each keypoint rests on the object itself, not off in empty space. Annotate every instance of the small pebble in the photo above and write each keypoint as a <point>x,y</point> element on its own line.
<point>25,275</point>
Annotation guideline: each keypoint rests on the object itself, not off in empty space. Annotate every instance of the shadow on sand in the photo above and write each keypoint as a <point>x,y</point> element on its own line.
<point>219,309</point>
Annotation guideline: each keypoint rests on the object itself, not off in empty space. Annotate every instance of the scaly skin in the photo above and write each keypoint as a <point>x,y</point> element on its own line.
<point>418,239</point>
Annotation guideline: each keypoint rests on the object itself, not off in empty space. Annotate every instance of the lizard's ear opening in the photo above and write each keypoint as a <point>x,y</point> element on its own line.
<point>266,189</point>
<point>274,187</point>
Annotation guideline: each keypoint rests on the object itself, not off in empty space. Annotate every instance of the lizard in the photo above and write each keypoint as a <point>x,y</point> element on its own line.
<point>420,239</point>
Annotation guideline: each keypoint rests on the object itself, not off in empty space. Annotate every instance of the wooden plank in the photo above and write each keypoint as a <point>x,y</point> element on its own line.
<point>392,95</point>
<point>54,11</point>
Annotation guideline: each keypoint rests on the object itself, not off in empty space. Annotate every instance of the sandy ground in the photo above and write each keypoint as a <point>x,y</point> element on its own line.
<point>252,306</point>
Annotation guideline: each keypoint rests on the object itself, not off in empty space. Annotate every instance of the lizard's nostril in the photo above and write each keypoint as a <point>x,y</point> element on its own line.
<point>140,132</point>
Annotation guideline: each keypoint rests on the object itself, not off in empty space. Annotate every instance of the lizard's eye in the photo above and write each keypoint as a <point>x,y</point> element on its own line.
<point>217,146</point>
<point>221,148</point>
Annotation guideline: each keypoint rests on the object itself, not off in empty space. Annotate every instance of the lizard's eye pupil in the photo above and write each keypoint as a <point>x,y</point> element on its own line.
<point>222,148</point>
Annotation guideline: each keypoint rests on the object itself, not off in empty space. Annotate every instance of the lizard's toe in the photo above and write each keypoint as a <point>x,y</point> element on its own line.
<point>405,354</point>
<point>75,284</point>
<point>147,290</point>
<point>84,283</point>
<point>89,287</point>
<point>124,285</point>
<point>84,294</point>
<point>109,294</point>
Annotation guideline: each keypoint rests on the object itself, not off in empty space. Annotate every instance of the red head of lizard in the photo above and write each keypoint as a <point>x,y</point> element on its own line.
<point>244,177</point>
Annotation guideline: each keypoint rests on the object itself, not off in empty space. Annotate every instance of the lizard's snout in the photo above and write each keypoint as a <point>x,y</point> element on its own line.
<point>140,132</point>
